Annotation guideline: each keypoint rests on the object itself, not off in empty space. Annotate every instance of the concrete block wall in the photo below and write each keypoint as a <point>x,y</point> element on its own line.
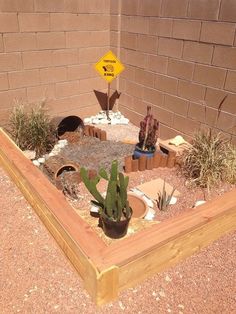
<point>180,57</point>
<point>47,51</point>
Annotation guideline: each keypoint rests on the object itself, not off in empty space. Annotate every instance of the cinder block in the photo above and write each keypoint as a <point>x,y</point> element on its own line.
<point>185,125</point>
<point>99,39</point>
<point>149,7</point>
<point>218,33</point>
<point>10,61</point>
<point>147,43</point>
<point>78,39</point>
<point>186,29</point>
<point>129,7</point>
<point>177,8</point>
<point>162,115</point>
<point>88,85</point>
<point>20,41</point>
<point>16,6</point>
<point>3,81</point>
<point>114,22</point>
<point>157,63</point>
<point>9,98</point>
<point>71,6</point>
<point>51,40</point>
<point>214,97</point>
<point>176,104</point>
<point>40,93</point>
<point>197,52</point>
<point>8,23</point>
<point>91,54</point>
<point>64,21</point>
<point>33,22</point>
<point>49,6</point>
<point>37,59</point>
<point>153,96</point>
<point>23,78</point>
<point>114,39</point>
<point>135,24</point>
<point>204,10</point>
<point>166,84</point>
<point>1,44</point>
<point>144,77</point>
<point>170,47</point>
<point>226,122</point>
<point>230,83</point>
<point>94,6</point>
<point>209,75</point>
<point>134,89</point>
<point>66,89</point>
<point>51,75</point>
<point>228,11</point>
<point>225,57</point>
<point>160,26</point>
<point>81,71</point>
<point>191,91</point>
<point>136,58</point>
<point>128,40</point>
<point>65,57</point>
<point>197,112</point>
<point>180,69</point>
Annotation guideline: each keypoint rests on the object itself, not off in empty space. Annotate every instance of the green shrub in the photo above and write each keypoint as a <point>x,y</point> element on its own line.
<point>32,129</point>
<point>209,160</point>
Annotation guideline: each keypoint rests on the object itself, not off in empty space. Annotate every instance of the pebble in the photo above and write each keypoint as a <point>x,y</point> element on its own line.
<point>36,163</point>
<point>198,203</point>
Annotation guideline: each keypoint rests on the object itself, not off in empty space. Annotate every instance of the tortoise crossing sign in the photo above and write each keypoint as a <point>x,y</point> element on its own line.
<point>109,67</point>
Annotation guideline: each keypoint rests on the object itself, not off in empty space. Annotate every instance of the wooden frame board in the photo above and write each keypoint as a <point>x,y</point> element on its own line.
<point>108,269</point>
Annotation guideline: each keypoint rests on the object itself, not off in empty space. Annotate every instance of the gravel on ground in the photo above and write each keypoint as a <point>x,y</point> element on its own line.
<point>36,277</point>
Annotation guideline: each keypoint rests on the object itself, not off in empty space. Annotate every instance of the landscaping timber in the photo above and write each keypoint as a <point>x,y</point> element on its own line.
<point>108,269</point>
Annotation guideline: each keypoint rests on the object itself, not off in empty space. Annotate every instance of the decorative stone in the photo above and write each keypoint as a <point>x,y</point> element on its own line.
<point>173,200</point>
<point>41,160</point>
<point>36,163</point>
<point>198,203</point>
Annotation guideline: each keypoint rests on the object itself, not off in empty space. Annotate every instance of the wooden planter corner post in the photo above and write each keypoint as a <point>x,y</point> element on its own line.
<point>108,269</point>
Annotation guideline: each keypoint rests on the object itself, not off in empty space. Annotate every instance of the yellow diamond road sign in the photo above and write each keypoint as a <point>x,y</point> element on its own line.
<point>109,66</point>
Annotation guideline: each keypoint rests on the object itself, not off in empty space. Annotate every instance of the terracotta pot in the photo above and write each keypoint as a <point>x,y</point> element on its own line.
<point>114,229</point>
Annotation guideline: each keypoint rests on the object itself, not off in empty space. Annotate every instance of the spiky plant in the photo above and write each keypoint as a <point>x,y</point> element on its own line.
<point>229,174</point>
<point>164,199</point>
<point>204,163</point>
<point>115,205</point>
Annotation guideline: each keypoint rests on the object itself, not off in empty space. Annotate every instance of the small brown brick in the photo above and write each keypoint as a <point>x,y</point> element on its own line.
<point>144,77</point>
<point>166,84</point>
<point>177,8</point>
<point>170,47</point>
<point>1,44</point>
<point>176,104</point>
<point>228,11</point>
<point>225,57</point>
<point>103,135</point>
<point>3,81</point>
<point>51,75</point>
<point>10,61</point>
<point>187,126</point>
<point>8,23</point>
<point>218,33</point>
<point>147,44</point>
<point>23,78</point>
<point>171,159</point>
<point>162,115</point>
<point>160,27</point>
<point>157,64</point>
<point>52,40</point>
<point>128,40</point>
<point>134,89</point>
<point>204,10</point>
<point>209,75</point>
<point>129,7</point>
<point>214,97</point>
<point>64,22</point>
<point>191,91</point>
<point>80,71</point>
<point>153,96</point>
<point>33,22</point>
<point>186,29</point>
<point>41,92</point>
<point>148,7</point>
<point>71,6</point>
<point>78,39</point>
<point>17,6</point>
<point>65,57</point>
<point>49,6</point>
<point>230,83</point>
<point>66,89</point>
<point>8,98</point>
<point>135,24</point>
<point>136,58</point>
<point>20,41</point>
<point>180,69</point>
<point>90,55</point>
<point>197,52</point>
<point>197,112</point>
<point>37,59</point>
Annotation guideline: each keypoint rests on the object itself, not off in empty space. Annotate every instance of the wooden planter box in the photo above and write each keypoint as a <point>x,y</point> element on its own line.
<point>108,269</point>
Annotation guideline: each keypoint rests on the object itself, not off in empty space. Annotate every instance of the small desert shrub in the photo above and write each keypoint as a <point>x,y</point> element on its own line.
<point>32,129</point>
<point>209,160</point>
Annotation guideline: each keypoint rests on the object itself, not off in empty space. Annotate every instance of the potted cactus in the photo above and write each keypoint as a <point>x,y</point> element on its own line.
<point>114,209</point>
<point>148,136</point>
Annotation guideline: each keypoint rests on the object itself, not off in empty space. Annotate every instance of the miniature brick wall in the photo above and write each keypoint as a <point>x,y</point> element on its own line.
<point>47,49</point>
<point>179,55</point>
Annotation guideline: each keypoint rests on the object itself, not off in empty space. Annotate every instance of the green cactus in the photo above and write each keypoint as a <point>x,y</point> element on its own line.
<point>163,200</point>
<point>115,206</point>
